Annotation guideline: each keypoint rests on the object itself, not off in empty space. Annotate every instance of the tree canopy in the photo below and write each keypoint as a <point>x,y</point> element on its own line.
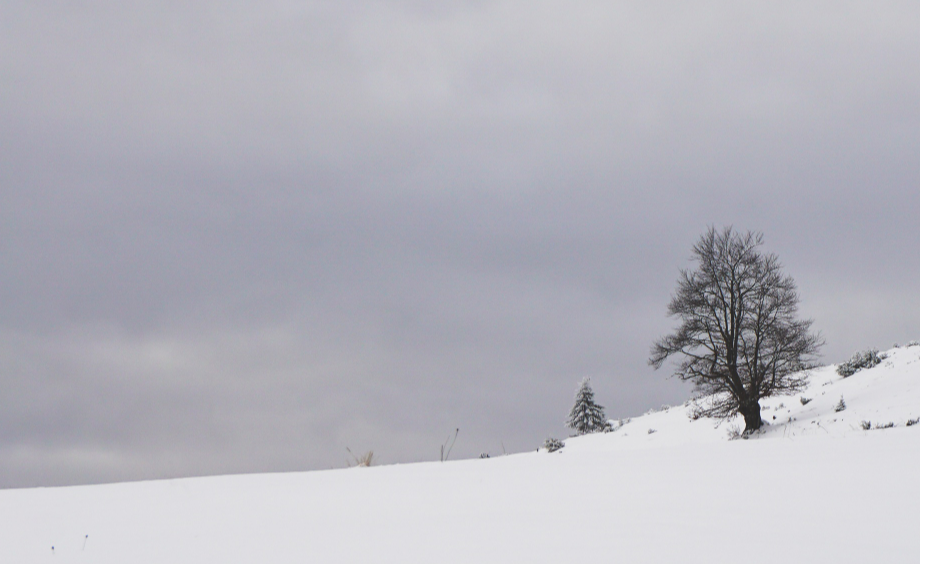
<point>738,334</point>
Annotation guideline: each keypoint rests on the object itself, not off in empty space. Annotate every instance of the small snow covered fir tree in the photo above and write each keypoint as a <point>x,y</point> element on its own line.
<point>586,415</point>
<point>841,405</point>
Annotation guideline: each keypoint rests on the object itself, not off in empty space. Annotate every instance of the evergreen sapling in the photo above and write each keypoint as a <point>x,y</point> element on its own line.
<point>586,415</point>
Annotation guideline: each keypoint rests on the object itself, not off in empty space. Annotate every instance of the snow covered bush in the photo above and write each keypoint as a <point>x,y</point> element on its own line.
<point>586,415</point>
<point>866,425</point>
<point>860,361</point>
<point>552,445</point>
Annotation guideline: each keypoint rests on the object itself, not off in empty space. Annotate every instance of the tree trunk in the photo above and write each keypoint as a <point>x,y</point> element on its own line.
<point>752,418</point>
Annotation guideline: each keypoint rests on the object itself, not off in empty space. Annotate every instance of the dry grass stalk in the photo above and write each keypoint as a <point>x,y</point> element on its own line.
<point>365,460</point>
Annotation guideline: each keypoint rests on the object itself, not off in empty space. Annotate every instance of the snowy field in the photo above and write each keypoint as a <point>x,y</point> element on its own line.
<point>814,487</point>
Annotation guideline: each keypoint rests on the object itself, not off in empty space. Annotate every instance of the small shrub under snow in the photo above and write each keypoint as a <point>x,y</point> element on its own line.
<point>552,445</point>
<point>860,361</point>
<point>734,433</point>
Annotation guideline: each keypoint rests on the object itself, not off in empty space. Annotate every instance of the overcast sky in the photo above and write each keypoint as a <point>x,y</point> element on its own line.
<point>244,236</point>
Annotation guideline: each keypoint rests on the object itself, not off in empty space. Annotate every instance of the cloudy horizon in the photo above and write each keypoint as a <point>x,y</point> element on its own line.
<point>242,238</point>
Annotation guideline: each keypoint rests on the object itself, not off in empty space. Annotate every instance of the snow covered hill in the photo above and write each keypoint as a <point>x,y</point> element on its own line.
<point>883,395</point>
<point>815,486</point>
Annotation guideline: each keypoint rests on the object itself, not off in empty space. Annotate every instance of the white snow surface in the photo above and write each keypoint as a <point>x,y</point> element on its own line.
<point>817,488</point>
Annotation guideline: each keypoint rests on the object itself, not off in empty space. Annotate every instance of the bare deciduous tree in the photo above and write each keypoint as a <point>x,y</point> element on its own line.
<point>738,332</point>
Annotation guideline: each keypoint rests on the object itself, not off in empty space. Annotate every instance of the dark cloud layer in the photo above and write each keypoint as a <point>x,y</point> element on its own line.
<point>242,237</point>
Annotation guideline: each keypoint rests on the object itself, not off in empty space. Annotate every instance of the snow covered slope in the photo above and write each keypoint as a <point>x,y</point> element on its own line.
<point>884,394</point>
<point>815,487</point>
